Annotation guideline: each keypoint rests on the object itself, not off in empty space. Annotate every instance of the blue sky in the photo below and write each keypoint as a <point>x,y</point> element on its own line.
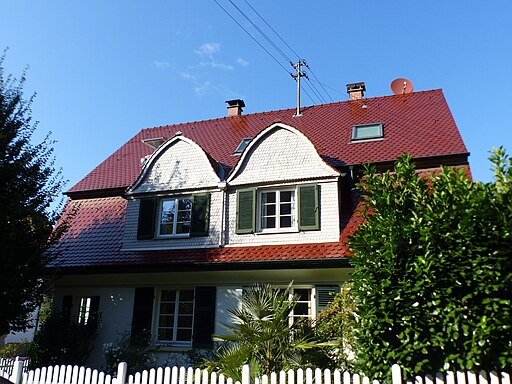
<point>103,70</point>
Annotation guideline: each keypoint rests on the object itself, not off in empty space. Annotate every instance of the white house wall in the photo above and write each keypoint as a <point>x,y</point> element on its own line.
<point>182,165</point>
<point>117,294</point>
<point>132,216</point>
<point>116,308</point>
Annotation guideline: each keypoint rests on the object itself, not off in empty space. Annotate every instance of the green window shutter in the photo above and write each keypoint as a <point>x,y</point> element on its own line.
<point>308,207</point>
<point>325,295</point>
<point>67,305</point>
<point>94,316</point>
<point>147,218</point>
<point>204,317</point>
<point>142,311</point>
<point>245,210</point>
<point>200,215</point>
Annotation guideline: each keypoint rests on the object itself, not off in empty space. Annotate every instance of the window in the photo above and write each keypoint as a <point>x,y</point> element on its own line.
<point>85,310</point>
<point>305,304</point>
<point>181,317</point>
<point>367,132</point>
<point>175,217</point>
<point>243,144</point>
<point>175,317</point>
<point>88,310</point>
<point>277,210</point>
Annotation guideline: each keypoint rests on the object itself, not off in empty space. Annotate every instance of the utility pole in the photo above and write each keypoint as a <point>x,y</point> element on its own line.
<point>297,77</point>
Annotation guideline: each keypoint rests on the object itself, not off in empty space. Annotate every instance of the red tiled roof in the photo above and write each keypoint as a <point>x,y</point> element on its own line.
<point>95,239</point>
<point>419,123</point>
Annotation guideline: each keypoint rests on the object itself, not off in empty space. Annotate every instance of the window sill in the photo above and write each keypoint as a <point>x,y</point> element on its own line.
<point>167,237</point>
<point>277,231</point>
<point>166,347</point>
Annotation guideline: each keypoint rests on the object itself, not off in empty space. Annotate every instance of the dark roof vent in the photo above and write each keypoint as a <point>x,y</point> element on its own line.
<point>235,107</point>
<point>154,142</point>
<point>356,90</point>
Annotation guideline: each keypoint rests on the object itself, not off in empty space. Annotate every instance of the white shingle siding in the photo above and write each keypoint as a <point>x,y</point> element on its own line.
<point>130,230</point>
<point>329,222</point>
<point>280,155</point>
<point>182,165</point>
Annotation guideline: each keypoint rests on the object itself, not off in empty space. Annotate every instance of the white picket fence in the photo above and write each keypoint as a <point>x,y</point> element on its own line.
<point>17,373</point>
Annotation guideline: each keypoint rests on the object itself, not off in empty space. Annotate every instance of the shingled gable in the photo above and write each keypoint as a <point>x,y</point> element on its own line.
<point>150,168</point>
<point>307,152</point>
<point>419,123</point>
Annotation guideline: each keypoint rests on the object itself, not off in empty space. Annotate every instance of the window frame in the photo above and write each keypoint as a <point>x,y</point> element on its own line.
<point>176,199</point>
<point>379,136</point>
<point>294,210</point>
<point>156,323</point>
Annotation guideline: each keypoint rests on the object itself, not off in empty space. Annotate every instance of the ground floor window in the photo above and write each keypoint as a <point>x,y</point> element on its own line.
<point>87,309</point>
<point>176,316</point>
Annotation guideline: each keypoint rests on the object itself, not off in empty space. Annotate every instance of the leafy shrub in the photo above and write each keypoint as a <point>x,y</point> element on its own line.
<point>60,341</point>
<point>433,270</point>
<point>336,323</point>
<point>135,351</point>
<point>12,350</point>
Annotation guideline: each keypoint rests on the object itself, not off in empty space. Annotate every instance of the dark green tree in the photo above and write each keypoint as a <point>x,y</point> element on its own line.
<point>433,270</point>
<point>29,184</point>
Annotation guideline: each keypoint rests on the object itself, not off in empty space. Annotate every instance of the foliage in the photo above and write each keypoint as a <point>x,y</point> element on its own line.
<point>261,335</point>
<point>61,341</point>
<point>12,350</point>
<point>28,186</point>
<point>433,270</point>
<point>136,352</point>
<point>337,323</point>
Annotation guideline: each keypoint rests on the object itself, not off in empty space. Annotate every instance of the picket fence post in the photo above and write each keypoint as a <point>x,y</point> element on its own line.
<point>122,370</point>
<point>246,374</point>
<point>17,371</point>
<point>396,374</point>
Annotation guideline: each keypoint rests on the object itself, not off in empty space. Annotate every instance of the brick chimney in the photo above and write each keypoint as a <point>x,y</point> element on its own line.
<point>356,90</point>
<point>235,107</point>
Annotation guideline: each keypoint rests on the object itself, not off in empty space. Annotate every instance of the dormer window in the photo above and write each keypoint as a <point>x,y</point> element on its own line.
<point>174,217</point>
<point>278,210</point>
<point>243,144</point>
<point>366,132</point>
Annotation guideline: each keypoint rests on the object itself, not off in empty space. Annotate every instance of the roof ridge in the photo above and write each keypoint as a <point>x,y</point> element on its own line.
<point>223,118</point>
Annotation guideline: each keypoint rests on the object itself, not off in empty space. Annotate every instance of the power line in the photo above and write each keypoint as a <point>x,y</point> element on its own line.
<point>311,86</point>
<point>251,36</point>
<point>260,31</point>
<point>290,48</point>
<point>273,30</point>
<point>328,95</point>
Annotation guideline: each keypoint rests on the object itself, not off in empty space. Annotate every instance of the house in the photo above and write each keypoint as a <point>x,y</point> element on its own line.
<point>167,231</point>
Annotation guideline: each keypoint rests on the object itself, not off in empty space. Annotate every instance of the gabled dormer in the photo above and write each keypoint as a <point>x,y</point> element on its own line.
<point>283,189</point>
<point>176,201</point>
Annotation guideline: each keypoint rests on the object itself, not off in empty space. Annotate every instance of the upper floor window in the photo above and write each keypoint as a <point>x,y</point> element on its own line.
<point>277,210</point>
<point>367,132</point>
<point>174,217</point>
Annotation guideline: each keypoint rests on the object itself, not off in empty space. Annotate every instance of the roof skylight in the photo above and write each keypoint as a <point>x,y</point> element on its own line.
<point>367,132</point>
<point>243,144</point>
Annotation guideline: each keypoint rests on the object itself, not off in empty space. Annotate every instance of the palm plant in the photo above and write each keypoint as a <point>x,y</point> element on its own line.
<point>262,335</point>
